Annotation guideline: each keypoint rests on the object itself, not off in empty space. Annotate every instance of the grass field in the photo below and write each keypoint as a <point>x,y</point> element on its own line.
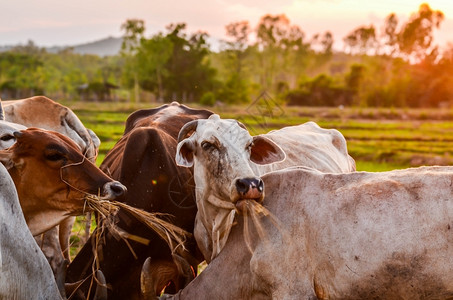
<point>378,139</point>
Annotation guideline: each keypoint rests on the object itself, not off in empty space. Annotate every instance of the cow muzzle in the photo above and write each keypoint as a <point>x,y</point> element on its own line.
<point>250,188</point>
<point>114,190</point>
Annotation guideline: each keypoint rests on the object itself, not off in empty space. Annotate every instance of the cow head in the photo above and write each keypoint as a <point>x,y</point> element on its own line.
<point>221,152</point>
<point>7,129</point>
<point>7,138</point>
<point>52,177</point>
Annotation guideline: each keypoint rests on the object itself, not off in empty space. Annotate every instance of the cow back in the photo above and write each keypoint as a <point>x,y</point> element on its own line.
<point>311,146</point>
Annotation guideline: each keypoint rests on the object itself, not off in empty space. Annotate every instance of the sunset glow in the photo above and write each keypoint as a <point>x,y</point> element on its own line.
<point>52,22</point>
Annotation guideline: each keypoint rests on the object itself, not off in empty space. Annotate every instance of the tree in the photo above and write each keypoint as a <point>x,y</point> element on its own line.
<point>390,34</point>
<point>134,30</point>
<point>153,55</point>
<point>189,72</point>
<point>362,40</point>
<point>236,87</point>
<point>327,43</point>
<point>281,48</point>
<point>133,33</point>
<point>416,36</point>
<point>18,74</point>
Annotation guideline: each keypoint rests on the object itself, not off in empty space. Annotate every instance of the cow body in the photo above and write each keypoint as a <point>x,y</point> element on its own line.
<point>227,161</point>
<point>25,273</point>
<point>143,160</point>
<point>342,236</point>
<point>311,146</point>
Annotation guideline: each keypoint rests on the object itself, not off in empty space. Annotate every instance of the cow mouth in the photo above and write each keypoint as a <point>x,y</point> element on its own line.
<point>241,204</point>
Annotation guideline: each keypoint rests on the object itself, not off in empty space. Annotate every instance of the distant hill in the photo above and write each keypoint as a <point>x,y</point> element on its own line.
<point>103,47</point>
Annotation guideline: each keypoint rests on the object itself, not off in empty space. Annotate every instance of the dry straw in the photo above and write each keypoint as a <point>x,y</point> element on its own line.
<point>173,235</point>
<point>107,210</point>
<point>255,211</point>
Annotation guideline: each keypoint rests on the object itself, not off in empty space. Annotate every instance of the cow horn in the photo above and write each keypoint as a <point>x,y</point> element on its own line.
<point>186,129</point>
<point>147,289</point>
<point>101,287</point>
<point>2,114</point>
<point>241,125</point>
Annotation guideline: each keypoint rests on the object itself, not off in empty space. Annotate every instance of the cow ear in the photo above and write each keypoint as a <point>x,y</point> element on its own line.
<point>184,153</point>
<point>264,151</point>
<point>6,158</point>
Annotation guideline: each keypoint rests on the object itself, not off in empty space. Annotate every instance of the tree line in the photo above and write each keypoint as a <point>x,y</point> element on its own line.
<point>398,66</point>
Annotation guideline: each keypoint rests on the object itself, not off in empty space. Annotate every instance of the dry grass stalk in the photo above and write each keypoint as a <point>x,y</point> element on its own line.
<point>255,211</point>
<point>173,235</point>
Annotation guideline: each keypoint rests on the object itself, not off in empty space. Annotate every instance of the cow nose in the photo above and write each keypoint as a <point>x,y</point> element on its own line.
<point>114,189</point>
<point>250,188</point>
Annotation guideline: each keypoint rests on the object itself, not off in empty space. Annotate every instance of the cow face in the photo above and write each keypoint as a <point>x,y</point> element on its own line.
<point>221,152</point>
<point>52,177</point>
<point>7,129</point>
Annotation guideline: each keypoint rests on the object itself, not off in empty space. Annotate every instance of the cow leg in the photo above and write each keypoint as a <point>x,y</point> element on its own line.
<point>50,246</point>
<point>87,227</point>
<point>64,232</point>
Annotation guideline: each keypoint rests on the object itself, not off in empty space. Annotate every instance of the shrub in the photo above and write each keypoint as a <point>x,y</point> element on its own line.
<point>208,99</point>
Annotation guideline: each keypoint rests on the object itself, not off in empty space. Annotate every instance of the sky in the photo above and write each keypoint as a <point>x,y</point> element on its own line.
<point>71,22</point>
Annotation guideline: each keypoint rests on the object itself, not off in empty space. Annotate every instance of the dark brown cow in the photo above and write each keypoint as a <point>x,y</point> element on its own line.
<point>52,177</point>
<point>143,160</point>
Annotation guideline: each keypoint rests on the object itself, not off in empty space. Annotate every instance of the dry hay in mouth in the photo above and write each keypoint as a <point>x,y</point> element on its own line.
<point>255,211</point>
<point>171,234</point>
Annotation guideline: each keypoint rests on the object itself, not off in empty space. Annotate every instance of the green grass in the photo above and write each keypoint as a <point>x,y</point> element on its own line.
<point>374,142</point>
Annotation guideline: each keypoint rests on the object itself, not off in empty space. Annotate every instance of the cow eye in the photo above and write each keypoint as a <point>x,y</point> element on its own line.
<point>7,137</point>
<point>55,156</point>
<point>249,147</point>
<point>206,145</point>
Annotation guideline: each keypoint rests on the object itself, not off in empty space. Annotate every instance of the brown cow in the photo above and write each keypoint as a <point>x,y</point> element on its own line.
<point>42,112</point>
<point>143,160</point>
<point>52,177</point>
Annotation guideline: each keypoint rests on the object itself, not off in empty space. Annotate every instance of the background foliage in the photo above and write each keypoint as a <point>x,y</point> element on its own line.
<point>396,66</point>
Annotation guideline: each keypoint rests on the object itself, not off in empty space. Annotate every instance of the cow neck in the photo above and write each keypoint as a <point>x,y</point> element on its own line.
<point>39,222</point>
<point>217,228</point>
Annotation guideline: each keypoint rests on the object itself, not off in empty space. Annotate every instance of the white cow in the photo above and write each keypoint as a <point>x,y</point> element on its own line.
<point>24,271</point>
<point>227,161</point>
<point>360,235</point>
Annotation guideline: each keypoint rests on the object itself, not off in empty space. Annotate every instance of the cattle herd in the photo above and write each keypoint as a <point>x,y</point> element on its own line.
<point>282,215</point>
